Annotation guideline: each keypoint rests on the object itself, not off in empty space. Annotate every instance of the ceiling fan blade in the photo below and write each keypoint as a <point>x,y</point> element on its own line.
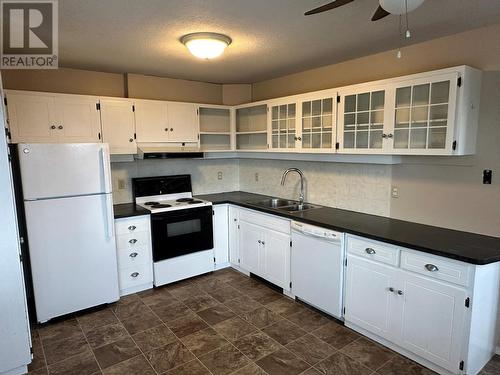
<point>379,14</point>
<point>329,6</point>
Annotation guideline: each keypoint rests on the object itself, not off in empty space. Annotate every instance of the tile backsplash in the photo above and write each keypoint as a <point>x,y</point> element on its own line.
<point>204,175</point>
<point>357,187</point>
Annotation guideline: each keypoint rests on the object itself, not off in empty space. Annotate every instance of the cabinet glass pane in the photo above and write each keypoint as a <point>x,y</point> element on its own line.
<point>420,95</point>
<point>377,117</point>
<point>316,140</point>
<point>282,125</point>
<point>401,138</point>
<point>349,119</point>
<point>306,140</point>
<point>402,116</point>
<point>274,112</point>
<point>275,141</point>
<point>283,111</point>
<point>291,110</point>
<point>437,138</point>
<point>378,99</point>
<point>291,140</point>
<point>403,96</point>
<point>283,139</point>
<point>306,123</point>
<point>362,118</point>
<point>275,125</point>
<point>291,124</point>
<point>349,139</point>
<point>375,138</point>
<point>327,122</point>
<point>440,92</point>
<point>327,106</point>
<point>362,139</point>
<point>350,103</point>
<point>306,109</point>
<point>363,102</point>
<point>316,107</point>
<point>316,122</point>
<point>419,116</point>
<point>439,112</point>
<point>326,140</point>
<point>418,138</point>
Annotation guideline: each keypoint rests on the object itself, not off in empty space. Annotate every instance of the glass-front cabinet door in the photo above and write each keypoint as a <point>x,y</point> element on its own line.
<point>363,120</point>
<point>424,115</point>
<point>318,119</point>
<point>283,125</point>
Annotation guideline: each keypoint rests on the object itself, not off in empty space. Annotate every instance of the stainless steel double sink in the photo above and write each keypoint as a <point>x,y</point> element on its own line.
<point>284,205</point>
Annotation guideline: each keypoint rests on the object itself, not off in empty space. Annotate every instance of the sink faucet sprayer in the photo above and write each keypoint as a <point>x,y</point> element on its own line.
<point>283,177</point>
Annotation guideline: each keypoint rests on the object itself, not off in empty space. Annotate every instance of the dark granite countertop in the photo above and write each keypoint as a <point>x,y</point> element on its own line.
<point>467,247</point>
<point>128,210</point>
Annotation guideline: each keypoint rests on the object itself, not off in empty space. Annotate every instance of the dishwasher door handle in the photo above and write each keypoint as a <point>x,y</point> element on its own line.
<point>332,240</point>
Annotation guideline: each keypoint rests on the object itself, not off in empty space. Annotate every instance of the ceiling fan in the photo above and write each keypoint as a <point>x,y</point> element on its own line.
<point>386,7</point>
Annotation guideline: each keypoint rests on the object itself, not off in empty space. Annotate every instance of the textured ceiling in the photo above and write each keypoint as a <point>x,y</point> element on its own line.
<point>270,37</point>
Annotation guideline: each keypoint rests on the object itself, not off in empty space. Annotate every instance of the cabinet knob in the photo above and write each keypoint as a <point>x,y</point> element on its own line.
<point>131,140</point>
<point>53,127</point>
<point>400,292</point>
<point>299,138</point>
<point>431,268</point>
<point>171,129</point>
<point>132,227</point>
<point>370,251</point>
<point>391,289</point>
<point>259,241</point>
<point>263,243</point>
<point>132,241</point>
<point>133,255</point>
<point>390,135</point>
<point>235,220</point>
<point>384,135</point>
<point>60,127</point>
<point>134,274</point>
<point>166,129</point>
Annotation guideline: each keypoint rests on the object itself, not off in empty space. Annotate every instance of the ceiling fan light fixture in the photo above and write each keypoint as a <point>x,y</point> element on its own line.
<point>399,7</point>
<point>206,45</point>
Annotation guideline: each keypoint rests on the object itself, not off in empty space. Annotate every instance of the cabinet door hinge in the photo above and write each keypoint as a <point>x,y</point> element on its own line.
<point>290,243</point>
<point>7,133</point>
<point>5,100</point>
<point>31,351</point>
<point>135,135</point>
<point>213,212</point>
<point>461,365</point>
<point>345,262</point>
<point>290,284</point>
<point>133,108</point>
<point>338,98</point>
<point>454,145</point>
<point>238,226</point>
<point>467,302</point>
<point>98,106</point>
<point>343,310</point>
<point>238,260</point>
<point>197,111</point>
<point>99,135</point>
<point>459,81</point>
<point>337,146</point>
<point>214,260</point>
<point>21,258</point>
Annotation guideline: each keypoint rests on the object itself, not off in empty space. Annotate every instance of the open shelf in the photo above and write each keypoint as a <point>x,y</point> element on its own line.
<point>214,120</point>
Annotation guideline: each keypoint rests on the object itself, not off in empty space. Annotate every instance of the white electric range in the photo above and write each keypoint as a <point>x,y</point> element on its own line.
<point>181,227</point>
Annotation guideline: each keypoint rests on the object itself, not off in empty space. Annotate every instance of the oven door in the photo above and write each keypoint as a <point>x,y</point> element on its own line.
<point>181,232</point>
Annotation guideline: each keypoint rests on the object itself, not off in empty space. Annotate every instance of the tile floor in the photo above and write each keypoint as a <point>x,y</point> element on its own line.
<point>220,323</point>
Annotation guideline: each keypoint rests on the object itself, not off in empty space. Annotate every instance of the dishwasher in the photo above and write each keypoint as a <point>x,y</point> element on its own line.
<point>317,267</point>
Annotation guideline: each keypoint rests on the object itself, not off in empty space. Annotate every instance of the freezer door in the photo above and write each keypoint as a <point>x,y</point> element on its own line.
<point>73,254</point>
<point>51,170</point>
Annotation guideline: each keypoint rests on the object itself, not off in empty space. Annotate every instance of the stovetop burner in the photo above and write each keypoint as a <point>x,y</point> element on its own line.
<point>194,202</point>
<point>161,205</point>
<point>151,203</point>
<point>185,200</point>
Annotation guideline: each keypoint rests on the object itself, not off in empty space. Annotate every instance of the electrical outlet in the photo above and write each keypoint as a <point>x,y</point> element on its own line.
<point>487,173</point>
<point>219,175</point>
<point>395,192</point>
<point>121,184</point>
<point>257,177</point>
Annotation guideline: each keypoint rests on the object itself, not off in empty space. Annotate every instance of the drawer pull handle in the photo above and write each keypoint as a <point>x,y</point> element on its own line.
<point>431,268</point>
<point>133,255</point>
<point>370,251</point>
<point>134,274</point>
<point>132,241</point>
<point>132,227</point>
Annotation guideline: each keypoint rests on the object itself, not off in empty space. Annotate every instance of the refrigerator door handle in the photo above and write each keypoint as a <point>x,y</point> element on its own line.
<point>110,220</point>
<point>105,169</point>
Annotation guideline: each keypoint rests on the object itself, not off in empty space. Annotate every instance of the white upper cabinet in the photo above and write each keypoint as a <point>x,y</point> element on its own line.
<point>251,127</point>
<point>159,121</point>
<point>44,117</point>
<point>151,121</point>
<point>283,118</point>
<point>318,119</point>
<point>183,122</point>
<point>118,125</point>
<point>362,120</point>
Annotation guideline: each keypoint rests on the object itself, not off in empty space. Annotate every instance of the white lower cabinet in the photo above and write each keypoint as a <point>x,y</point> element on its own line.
<point>264,247</point>
<point>221,236</point>
<point>134,250</point>
<point>446,326</point>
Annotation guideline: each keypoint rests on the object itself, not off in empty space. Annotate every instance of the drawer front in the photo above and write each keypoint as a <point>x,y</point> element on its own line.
<point>135,257</point>
<point>132,241</point>
<point>374,250</point>
<point>266,221</point>
<point>134,276</point>
<point>436,267</point>
<point>132,225</point>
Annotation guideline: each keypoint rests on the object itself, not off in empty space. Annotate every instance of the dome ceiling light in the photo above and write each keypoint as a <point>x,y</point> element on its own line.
<point>206,45</point>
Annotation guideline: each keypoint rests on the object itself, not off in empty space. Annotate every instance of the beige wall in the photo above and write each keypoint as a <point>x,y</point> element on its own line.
<point>234,94</point>
<point>479,48</point>
<point>68,81</point>
<point>151,87</point>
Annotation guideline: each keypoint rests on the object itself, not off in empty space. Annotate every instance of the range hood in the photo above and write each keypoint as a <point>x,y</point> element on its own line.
<point>168,151</point>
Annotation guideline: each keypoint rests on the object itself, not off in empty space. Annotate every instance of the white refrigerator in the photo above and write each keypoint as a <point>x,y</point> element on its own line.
<point>70,224</point>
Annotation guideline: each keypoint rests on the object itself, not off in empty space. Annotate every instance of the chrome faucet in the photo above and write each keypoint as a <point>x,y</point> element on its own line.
<point>283,177</point>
